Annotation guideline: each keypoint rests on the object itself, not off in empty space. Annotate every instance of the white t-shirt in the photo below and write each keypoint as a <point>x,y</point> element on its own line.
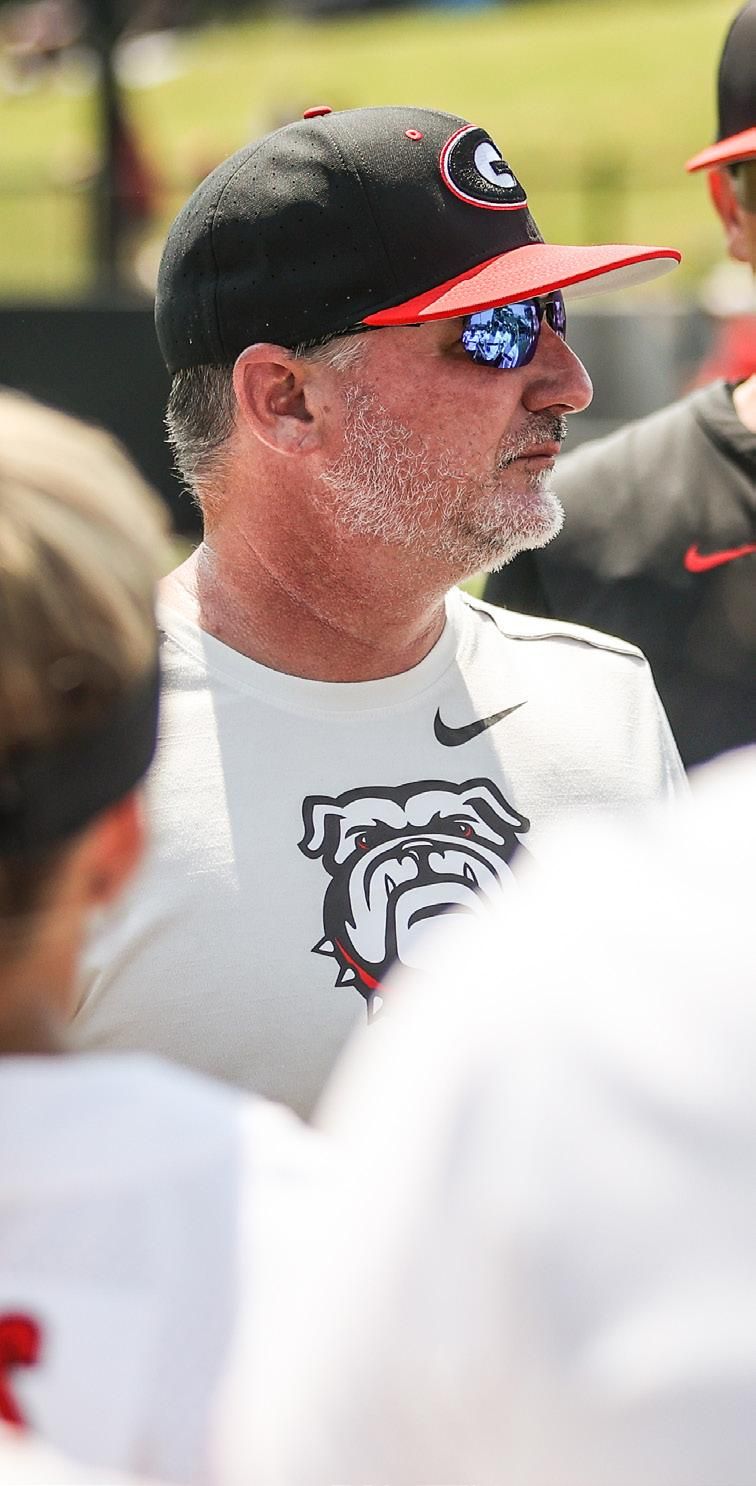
<point>306,833</point>
<point>138,1204</point>
<point>544,1269</point>
<point>26,1462</point>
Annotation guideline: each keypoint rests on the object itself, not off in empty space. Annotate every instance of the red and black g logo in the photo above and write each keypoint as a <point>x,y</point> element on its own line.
<point>473,169</point>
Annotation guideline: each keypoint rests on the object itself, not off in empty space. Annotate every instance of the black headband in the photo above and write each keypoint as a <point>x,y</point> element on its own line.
<point>46,794</point>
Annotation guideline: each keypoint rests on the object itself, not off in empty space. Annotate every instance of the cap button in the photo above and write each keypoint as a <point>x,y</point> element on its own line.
<point>317,112</point>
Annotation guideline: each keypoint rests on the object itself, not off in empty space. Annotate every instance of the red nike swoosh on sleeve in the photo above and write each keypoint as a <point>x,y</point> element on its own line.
<point>702,562</point>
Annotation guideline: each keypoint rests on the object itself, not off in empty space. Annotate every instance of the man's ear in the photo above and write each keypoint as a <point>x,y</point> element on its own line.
<point>731,214</point>
<point>112,849</point>
<point>277,395</point>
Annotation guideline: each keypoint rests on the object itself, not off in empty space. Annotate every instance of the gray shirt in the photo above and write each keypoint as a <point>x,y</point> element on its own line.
<point>659,546</point>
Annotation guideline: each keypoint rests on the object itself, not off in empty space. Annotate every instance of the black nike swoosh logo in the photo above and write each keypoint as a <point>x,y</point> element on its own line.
<point>452,737</point>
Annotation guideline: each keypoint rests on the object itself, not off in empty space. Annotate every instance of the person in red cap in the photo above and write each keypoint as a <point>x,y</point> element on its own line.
<point>660,535</point>
<point>366,336</point>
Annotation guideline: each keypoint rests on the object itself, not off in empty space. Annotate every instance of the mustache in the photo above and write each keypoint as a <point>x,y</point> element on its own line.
<point>544,428</point>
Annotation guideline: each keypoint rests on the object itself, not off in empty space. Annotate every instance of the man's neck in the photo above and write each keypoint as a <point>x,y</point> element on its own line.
<point>744,401</point>
<point>316,617</point>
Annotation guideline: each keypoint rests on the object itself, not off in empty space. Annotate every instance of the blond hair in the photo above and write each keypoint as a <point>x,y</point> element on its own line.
<point>81,542</point>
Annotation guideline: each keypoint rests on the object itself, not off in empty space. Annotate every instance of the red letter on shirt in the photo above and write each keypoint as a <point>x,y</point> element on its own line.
<point>20,1339</point>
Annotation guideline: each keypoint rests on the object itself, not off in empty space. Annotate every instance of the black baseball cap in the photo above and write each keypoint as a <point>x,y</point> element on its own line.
<point>381,216</point>
<point>736,89</point>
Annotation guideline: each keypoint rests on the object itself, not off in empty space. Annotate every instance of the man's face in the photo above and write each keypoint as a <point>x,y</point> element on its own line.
<point>749,238</point>
<point>733,192</point>
<point>448,456</point>
<point>744,187</point>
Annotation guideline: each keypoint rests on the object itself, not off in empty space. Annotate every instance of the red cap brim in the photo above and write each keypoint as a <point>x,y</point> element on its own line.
<point>725,152</point>
<point>536,268</point>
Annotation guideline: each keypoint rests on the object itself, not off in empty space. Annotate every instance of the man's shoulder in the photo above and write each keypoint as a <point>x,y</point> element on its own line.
<point>531,629</point>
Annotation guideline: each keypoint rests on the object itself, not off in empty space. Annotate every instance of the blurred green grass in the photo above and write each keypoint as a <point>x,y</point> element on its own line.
<point>596,102</point>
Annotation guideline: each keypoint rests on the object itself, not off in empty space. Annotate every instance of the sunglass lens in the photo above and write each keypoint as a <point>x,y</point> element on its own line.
<point>505,337</point>
<point>556,315</point>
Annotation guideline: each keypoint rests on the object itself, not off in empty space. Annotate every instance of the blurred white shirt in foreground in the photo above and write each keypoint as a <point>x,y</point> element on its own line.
<point>25,1461</point>
<point>544,1273</point>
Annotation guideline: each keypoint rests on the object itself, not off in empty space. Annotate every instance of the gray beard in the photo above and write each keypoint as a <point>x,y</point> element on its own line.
<point>386,486</point>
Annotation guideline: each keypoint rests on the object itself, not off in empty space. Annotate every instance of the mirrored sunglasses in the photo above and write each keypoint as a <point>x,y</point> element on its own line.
<point>507,337</point>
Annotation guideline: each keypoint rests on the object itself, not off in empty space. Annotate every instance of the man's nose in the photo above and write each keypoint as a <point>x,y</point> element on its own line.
<point>558,380</point>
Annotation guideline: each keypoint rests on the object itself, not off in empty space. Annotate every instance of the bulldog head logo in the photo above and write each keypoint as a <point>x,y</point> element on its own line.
<point>397,857</point>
